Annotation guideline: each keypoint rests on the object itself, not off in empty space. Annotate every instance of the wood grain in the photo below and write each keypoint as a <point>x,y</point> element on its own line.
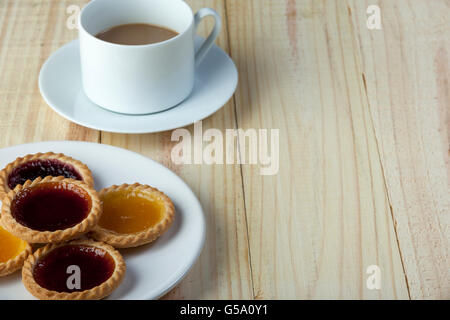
<point>29,32</point>
<point>364,144</point>
<point>406,70</point>
<point>316,226</point>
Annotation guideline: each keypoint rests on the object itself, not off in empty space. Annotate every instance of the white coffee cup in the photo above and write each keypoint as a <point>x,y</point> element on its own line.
<point>141,79</point>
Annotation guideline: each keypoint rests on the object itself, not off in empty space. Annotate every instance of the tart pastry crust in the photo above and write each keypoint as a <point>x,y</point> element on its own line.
<point>80,167</point>
<point>34,236</point>
<point>16,262</point>
<point>96,293</point>
<point>128,240</point>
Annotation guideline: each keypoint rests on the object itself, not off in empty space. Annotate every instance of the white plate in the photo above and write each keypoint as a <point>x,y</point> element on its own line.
<point>152,270</point>
<point>60,86</point>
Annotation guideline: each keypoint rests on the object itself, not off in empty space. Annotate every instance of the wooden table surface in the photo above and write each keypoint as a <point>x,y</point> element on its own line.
<point>364,144</point>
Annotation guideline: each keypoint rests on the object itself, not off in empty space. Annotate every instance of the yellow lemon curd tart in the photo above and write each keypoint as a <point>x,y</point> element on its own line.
<point>133,215</point>
<point>13,252</point>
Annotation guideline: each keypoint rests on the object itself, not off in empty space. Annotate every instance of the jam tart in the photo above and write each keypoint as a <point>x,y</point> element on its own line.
<point>50,209</point>
<point>133,215</point>
<point>50,273</point>
<point>13,252</point>
<point>41,165</point>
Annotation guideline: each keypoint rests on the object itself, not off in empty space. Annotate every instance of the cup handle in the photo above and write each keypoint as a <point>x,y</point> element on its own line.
<point>208,43</point>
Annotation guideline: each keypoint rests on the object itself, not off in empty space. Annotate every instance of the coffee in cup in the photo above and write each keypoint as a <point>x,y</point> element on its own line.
<point>136,34</point>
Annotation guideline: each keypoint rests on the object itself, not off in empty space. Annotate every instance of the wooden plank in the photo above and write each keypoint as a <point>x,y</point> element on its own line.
<point>223,270</point>
<point>29,32</point>
<point>344,97</point>
<point>406,70</point>
<point>316,226</point>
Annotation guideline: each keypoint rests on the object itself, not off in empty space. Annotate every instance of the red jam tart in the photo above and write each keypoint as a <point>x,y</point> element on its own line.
<point>79,270</point>
<point>42,165</point>
<point>52,209</point>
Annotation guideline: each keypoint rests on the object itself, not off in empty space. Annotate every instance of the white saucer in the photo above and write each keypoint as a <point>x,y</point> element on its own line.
<point>60,86</point>
<point>153,269</point>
